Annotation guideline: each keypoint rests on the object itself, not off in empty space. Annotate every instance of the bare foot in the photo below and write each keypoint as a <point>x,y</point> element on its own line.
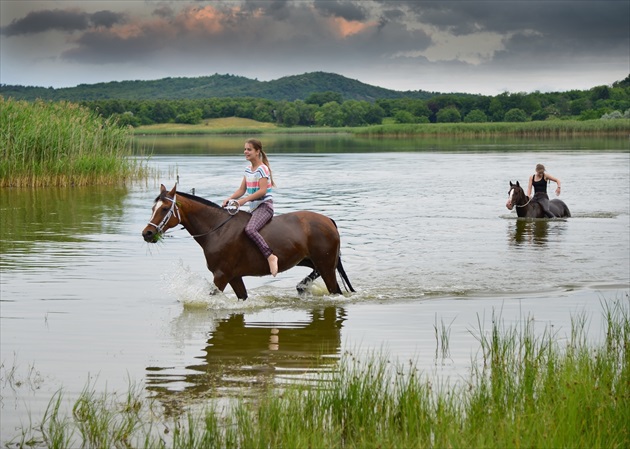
<point>273,264</point>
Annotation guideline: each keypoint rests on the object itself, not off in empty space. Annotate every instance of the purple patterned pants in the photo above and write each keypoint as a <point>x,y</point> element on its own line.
<point>260,217</point>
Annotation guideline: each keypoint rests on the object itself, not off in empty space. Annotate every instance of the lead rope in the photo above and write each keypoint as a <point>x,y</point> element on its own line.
<point>524,204</point>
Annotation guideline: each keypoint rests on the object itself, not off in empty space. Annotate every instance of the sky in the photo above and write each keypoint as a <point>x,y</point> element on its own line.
<point>479,47</point>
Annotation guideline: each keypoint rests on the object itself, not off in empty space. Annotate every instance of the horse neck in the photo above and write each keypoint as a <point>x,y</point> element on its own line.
<point>199,218</point>
<point>524,207</point>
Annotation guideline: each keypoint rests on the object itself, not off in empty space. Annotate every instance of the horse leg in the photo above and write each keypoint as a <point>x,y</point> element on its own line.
<point>220,281</point>
<point>306,282</point>
<point>239,288</point>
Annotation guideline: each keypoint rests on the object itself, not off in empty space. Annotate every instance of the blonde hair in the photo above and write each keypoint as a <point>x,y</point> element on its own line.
<point>257,144</point>
<point>540,168</point>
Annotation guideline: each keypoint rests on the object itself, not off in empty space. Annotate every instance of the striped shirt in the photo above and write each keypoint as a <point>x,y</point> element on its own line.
<point>252,179</point>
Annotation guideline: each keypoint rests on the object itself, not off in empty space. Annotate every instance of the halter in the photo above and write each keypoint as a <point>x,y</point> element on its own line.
<point>522,205</point>
<point>173,210</point>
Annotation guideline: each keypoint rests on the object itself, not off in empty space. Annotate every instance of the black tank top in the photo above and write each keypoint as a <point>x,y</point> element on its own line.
<point>539,186</point>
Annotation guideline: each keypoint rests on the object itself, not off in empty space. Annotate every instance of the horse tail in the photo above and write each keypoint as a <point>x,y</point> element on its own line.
<point>344,276</point>
<point>342,272</point>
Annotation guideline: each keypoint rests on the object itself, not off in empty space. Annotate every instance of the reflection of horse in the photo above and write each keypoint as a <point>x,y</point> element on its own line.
<point>244,353</point>
<point>298,238</point>
<point>534,230</point>
<point>525,208</point>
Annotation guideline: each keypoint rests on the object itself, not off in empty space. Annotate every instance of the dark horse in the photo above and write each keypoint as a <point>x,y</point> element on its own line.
<point>299,238</point>
<point>526,208</point>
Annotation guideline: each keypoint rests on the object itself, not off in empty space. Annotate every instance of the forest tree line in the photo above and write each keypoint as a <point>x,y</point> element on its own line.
<point>330,109</point>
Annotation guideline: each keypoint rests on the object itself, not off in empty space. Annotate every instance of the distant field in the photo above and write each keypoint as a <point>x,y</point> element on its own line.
<point>208,125</point>
<point>243,126</point>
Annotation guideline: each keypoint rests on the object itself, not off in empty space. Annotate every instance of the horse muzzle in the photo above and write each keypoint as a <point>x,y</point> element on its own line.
<point>509,205</point>
<point>150,236</point>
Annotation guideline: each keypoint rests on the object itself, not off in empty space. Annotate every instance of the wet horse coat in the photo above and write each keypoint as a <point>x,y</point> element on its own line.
<point>301,238</point>
<point>525,208</point>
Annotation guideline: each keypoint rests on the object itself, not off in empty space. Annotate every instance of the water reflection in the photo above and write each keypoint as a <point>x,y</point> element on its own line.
<point>31,218</point>
<point>248,353</point>
<point>535,231</point>
<point>349,143</point>
<point>530,231</point>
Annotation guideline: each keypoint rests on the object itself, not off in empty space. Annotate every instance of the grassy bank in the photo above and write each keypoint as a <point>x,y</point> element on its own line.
<point>526,389</point>
<point>550,128</point>
<point>62,144</point>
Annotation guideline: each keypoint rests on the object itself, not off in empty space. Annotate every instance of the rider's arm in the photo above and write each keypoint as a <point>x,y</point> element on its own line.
<point>529,187</point>
<point>557,181</point>
<point>239,193</point>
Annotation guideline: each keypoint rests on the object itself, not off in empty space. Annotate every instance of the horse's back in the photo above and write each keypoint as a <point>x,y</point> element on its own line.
<point>309,222</point>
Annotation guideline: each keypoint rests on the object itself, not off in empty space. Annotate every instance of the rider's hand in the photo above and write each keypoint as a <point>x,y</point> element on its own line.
<point>558,191</point>
<point>225,202</point>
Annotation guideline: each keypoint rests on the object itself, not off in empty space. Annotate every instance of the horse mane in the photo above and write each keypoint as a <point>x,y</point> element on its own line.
<point>199,200</point>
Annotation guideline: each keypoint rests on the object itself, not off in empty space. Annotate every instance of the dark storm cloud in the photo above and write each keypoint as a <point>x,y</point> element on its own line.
<point>595,19</point>
<point>45,20</point>
<point>68,20</point>
<point>278,9</point>
<point>106,19</point>
<point>344,9</point>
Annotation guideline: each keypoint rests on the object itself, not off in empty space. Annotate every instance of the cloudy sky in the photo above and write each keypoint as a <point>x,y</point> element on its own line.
<point>485,47</point>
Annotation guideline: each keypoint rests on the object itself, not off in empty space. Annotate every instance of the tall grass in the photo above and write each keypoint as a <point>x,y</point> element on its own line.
<point>548,128</point>
<point>62,144</point>
<point>526,390</point>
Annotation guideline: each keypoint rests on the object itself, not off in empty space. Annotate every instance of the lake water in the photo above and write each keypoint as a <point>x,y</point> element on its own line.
<point>426,241</point>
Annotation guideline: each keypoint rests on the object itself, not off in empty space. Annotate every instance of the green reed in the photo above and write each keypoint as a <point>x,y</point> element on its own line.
<point>548,128</point>
<point>526,390</point>
<point>62,144</point>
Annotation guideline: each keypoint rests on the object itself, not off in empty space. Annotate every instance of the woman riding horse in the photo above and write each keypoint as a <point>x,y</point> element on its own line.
<point>526,208</point>
<point>301,238</point>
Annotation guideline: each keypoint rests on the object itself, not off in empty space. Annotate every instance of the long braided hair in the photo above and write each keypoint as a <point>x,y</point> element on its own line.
<point>258,145</point>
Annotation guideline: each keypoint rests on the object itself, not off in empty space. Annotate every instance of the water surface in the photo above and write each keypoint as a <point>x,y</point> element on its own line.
<point>426,240</point>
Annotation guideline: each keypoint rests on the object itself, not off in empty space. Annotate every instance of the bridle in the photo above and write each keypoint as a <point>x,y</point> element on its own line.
<point>520,205</point>
<point>174,210</point>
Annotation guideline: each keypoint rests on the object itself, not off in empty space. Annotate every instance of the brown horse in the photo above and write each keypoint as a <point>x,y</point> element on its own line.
<point>526,208</point>
<point>299,238</point>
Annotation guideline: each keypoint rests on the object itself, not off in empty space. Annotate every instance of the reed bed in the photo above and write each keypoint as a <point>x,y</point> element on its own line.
<point>548,128</point>
<point>525,390</point>
<point>62,144</point>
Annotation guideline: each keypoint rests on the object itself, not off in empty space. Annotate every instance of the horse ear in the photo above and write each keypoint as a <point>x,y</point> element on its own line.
<point>162,188</point>
<point>511,185</point>
<point>173,190</point>
<point>517,184</point>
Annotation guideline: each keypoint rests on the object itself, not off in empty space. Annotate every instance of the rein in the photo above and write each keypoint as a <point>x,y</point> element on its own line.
<point>524,204</point>
<point>215,229</point>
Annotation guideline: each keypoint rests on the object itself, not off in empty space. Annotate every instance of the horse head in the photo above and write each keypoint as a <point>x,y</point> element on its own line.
<point>165,215</point>
<point>516,196</point>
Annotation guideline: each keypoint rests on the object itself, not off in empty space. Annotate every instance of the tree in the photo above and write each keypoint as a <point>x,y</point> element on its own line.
<point>404,117</point>
<point>476,116</point>
<point>321,98</point>
<point>515,115</point>
<point>330,114</point>
<point>448,115</point>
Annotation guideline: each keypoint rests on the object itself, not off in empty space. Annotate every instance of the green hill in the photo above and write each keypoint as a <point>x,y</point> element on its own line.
<point>289,88</point>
